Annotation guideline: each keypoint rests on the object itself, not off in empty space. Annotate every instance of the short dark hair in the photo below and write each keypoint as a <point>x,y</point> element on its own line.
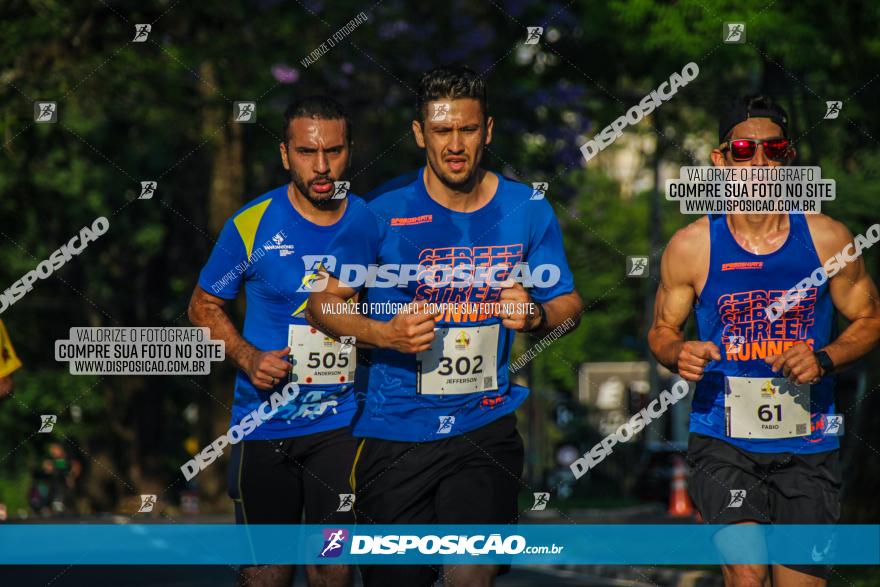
<point>320,107</point>
<point>751,106</point>
<point>451,82</point>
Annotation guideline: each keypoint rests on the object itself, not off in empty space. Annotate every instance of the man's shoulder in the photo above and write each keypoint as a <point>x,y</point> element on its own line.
<point>258,205</point>
<point>829,235</point>
<point>690,239</point>
<point>390,206</point>
<point>401,181</point>
<point>686,257</point>
<point>527,201</point>
<point>390,199</point>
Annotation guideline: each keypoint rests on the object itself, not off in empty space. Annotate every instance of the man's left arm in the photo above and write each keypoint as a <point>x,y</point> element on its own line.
<point>854,294</point>
<point>544,308</point>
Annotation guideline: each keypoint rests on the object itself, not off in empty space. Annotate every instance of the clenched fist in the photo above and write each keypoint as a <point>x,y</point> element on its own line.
<point>267,369</point>
<point>693,358</point>
<point>798,364</point>
<point>519,312</point>
<point>411,331</point>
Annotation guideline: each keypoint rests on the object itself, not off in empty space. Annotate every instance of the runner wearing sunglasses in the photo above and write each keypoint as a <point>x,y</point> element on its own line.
<point>775,149</point>
<point>761,448</point>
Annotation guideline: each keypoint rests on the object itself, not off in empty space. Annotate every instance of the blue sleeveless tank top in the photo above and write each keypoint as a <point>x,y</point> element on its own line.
<point>731,313</point>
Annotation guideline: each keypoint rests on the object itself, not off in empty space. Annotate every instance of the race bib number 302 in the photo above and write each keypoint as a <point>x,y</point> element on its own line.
<point>462,359</point>
<point>317,359</point>
<point>765,407</point>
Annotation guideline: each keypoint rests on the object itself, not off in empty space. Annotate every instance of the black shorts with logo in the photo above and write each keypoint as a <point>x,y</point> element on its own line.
<point>729,486</point>
<point>472,478</point>
<point>277,481</point>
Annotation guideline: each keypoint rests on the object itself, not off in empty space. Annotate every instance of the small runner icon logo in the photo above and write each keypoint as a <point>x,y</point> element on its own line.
<point>141,32</point>
<point>541,501</point>
<point>147,504</point>
<point>334,539</point>
<point>737,497</point>
<point>534,35</point>
<point>539,190</point>
<point>734,32</point>
<point>47,423</point>
<point>832,109</point>
<point>245,112</point>
<point>346,500</point>
<point>441,112</point>
<point>340,189</point>
<point>446,423</point>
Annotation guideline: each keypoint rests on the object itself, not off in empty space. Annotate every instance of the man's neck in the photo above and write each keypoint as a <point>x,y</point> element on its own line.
<point>759,233</point>
<point>466,198</point>
<point>322,216</point>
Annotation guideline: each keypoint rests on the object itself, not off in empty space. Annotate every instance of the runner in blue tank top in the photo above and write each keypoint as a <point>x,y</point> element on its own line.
<point>763,446</point>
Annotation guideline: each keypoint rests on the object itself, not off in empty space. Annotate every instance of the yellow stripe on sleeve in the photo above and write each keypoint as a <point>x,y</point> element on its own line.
<point>247,223</point>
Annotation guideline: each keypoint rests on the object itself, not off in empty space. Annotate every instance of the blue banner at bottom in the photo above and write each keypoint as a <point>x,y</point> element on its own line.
<point>227,544</point>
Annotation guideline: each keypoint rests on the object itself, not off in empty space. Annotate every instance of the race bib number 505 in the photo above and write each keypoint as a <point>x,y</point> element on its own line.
<point>462,359</point>
<point>317,358</point>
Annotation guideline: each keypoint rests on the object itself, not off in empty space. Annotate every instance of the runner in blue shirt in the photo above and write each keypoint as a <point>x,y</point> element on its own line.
<point>297,462</point>
<point>450,250</point>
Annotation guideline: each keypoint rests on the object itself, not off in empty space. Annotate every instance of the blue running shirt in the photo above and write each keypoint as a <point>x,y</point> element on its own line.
<point>265,246</point>
<point>402,400</point>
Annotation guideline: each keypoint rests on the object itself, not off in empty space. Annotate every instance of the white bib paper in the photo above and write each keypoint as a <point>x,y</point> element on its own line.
<point>765,407</point>
<point>462,359</point>
<point>317,358</point>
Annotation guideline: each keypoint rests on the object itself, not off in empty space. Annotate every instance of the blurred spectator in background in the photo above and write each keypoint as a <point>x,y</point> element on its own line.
<point>53,483</point>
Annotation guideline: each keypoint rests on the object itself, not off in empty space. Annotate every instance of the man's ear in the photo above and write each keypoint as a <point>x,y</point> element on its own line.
<point>350,152</point>
<point>717,157</point>
<point>490,124</point>
<point>283,153</point>
<point>418,133</point>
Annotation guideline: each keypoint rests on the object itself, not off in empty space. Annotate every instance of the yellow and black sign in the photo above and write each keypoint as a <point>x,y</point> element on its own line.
<point>9,361</point>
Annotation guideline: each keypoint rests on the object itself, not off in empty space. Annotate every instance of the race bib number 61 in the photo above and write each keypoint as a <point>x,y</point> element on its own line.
<point>765,407</point>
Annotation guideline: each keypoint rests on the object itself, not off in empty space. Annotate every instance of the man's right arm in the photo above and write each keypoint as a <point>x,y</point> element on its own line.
<point>263,368</point>
<point>409,332</point>
<point>672,306</point>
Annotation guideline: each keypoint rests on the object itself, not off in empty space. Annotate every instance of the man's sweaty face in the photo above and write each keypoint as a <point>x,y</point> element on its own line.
<point>317,155</point>
<point>454,135</point>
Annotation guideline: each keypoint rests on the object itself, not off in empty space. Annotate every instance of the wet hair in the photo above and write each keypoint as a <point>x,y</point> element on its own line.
<point>751,106</point>
<point>450,82</point>
<point>320,107</point>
